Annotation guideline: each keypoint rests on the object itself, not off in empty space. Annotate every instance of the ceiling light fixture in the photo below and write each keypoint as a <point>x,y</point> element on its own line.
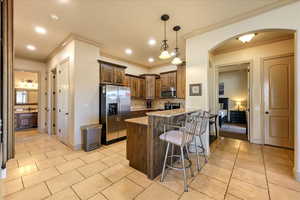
<point>246,38</point>
<point>164,45</point>
<point>172,53</point>
<point>151,60</point>
<point>31,47</point>
<point>176,60</point>
<point>54,17</point>
<point>152,42</point>
<point>128,51</point>
<point>40,30</point>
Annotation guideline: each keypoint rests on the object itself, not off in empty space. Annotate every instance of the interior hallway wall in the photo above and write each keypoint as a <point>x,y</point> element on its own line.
<point>40,67</point>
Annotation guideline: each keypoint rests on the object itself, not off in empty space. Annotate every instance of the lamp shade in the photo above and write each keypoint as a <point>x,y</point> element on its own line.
<point>176,61</point>
<point>164,55</point>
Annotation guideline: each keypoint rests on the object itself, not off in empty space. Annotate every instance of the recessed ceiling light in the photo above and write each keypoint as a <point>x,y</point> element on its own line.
<point>152,42</point>
<point>31,47</point>
<point>128,51</point>
<point>151,60</point>
<point>246,38</point>
<point>54,17</point>
<point>64,1</point>
<point>40,30</point>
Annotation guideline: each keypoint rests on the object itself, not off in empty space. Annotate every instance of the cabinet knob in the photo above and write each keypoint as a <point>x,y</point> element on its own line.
<point>267,112</point>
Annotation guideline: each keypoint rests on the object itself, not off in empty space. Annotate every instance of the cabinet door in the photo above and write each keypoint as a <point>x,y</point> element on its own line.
<point>106,74</point>
<point>157,88</point>
<point>181,81</point>
<point>119,76</point>
<point>127,81</point>
<point>142,88</point>
<point>172,79</point>
<point>150,87</point>
<point>164,81</point>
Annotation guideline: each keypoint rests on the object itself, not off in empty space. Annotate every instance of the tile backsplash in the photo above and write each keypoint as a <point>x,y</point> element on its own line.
<point>157,103</point>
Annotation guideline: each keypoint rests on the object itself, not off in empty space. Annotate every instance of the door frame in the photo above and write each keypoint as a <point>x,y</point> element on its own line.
<point>39,95</point>
<point>226,68</point>
<point>263,94</point>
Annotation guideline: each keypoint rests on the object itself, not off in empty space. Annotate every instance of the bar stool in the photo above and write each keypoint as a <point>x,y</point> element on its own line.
<point>182,137</point>
<point>202,125</point>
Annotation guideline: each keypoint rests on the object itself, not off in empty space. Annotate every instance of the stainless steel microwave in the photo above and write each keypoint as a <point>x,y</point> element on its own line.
<point>169,93</point>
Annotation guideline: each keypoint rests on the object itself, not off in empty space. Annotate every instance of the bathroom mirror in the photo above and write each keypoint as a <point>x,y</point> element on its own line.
<point>26,97</point>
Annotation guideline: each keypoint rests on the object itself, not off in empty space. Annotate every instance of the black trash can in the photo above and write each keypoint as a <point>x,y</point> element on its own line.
<point>91,136</point>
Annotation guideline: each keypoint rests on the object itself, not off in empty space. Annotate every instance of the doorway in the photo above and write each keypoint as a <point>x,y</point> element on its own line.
<point>27,98</point>
<point>233,100</point>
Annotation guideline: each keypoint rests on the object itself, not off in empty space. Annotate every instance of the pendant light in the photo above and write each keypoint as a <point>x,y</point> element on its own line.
<point>176,60</point>
<point>164,45</point>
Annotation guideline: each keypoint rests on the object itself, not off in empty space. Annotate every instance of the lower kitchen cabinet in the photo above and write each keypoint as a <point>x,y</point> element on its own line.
<point>26,120</point>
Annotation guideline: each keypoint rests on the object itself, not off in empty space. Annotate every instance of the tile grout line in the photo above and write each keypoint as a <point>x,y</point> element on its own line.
<point>263,156</point>
<point>236,157</point>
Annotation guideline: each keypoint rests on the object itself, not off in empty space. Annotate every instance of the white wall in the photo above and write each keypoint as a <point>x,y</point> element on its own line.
<point>197,57</point>
<point>86,77</point>
<point>34,66</point>
<point>235,86</point>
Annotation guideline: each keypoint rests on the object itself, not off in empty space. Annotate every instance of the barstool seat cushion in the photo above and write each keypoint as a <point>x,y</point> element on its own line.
<point>173,137</point>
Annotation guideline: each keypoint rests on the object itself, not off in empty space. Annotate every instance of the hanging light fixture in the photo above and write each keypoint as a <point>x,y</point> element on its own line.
<point>176,60</point>
<point>164,45</point>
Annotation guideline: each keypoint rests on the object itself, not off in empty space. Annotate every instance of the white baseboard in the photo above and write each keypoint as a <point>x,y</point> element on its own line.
<point>297,175</point>
<point>3,173</point>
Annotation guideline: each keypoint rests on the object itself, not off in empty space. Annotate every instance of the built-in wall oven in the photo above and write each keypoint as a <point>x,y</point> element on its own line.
<point>114,108</point>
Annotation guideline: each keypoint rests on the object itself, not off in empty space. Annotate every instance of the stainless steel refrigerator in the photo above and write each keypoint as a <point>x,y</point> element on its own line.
<point>114,109</point>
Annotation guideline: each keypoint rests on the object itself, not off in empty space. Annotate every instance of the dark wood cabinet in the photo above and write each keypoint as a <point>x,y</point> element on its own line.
<point>164,81</point>
<point>150,82</point>
<point>142,88</point>
<point>26,120</point>
<point>112,73</point>
<point>237,116</point>
<point>181,77</point>
<point>168,80</point>
<point>136,85</point>
<point>157,88</point>
<point>172,79</point>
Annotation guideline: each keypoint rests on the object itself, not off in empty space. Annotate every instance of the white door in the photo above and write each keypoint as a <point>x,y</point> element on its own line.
<point>62,108</point>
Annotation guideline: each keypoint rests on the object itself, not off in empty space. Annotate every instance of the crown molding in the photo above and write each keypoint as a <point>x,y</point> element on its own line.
<point>71,37</point>
<point>106,55</point>
<point>238,18</point>
<point>254,44</point>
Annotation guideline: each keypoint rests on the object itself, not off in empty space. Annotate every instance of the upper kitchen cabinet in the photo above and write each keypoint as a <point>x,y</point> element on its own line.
<point>112,73</point>
<point>150,80</point>
<point>136,85</point>
<point>168,82</point>
<point>157,88</point>
<point>181,77</point>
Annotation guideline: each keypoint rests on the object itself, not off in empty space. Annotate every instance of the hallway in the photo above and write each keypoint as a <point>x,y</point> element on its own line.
<point>44,167</point>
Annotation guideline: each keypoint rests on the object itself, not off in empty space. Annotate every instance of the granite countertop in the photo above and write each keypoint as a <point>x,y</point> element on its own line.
<point>26,112</point>
<point>145,109</point>
<point>138,120</point>
<point>172,113</point>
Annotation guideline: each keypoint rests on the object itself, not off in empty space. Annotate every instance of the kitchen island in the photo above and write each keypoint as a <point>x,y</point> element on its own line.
<point>145,151</point>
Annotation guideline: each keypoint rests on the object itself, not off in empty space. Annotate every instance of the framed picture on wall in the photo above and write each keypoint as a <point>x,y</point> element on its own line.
<point>221,89</point>
<point>196,89</point>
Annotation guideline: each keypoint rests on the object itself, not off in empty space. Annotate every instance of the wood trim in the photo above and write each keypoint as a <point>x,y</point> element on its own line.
<point>238,18</point>
<point>251,45</point>
<point>156,75</point>
<point>135,76</point>
<point>278,56</point>
<point>113,64</point>
<point>168,72</point>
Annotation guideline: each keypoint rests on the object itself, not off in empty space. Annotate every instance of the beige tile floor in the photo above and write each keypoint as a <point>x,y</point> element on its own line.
<point>44,168</point>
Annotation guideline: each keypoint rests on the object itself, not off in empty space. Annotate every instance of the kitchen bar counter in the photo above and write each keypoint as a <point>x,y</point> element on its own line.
<point>145,151</point>
<point>138,120</point>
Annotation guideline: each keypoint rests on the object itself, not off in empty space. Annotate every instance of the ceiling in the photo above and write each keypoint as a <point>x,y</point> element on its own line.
<point>21,76</point>
<point>262,37</point>
<point>120,24</point>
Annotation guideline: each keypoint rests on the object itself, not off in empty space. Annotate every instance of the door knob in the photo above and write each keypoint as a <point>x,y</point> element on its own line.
<point>267,112</point>
<point>67,114</point>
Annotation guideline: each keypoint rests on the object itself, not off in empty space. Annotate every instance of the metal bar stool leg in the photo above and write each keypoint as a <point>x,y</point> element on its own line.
<point>197,155</point>
<point>172,154</point>
<point>203,149</point>
<point>165,162</point>
<point>184,172</point>
<point>188,157</point>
